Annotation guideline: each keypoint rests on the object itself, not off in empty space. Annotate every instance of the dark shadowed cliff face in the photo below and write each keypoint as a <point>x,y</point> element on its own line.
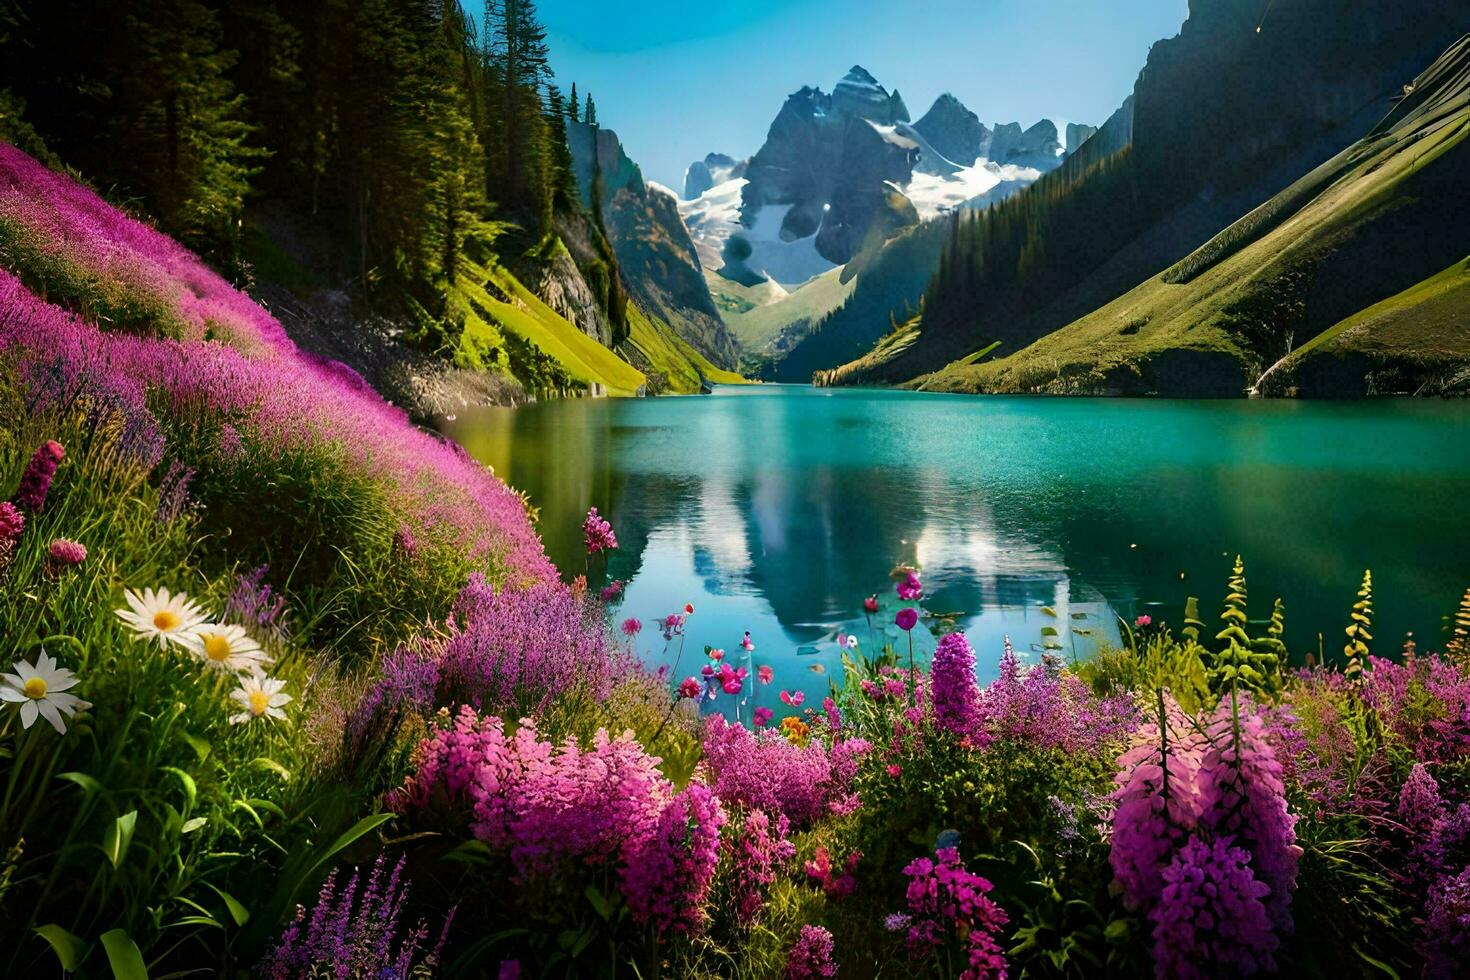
<point>660,269</point>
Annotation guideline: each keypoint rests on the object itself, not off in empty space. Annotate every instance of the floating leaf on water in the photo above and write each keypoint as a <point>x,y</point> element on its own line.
<point>817,669</point>
<point>1048,610</point>
<point>807,650</point>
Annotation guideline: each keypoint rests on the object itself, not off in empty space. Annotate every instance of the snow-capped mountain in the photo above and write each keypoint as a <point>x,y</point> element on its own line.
<point>843,172</point>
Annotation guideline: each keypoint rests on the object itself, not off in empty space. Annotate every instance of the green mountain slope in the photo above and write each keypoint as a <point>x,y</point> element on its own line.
<point>670,363</point>
<point>1379,218</point>
<point>494,303</point>
<point>1415,341</point>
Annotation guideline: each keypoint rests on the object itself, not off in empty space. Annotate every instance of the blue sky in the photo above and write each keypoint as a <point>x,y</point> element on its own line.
<point>677,80</point>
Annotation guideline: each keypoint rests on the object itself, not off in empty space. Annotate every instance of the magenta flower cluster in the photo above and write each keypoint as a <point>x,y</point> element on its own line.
<point>668,875</point>
<point>765,771</point>
<point>947,903</point>
<point>1051,710</point>
<point>813,955</point>
<point>597,533</point>
<point>513,650</point>
<point>1210,918</point>
<point>760,849</point>
<point>554,808</point>
<point>257,383</point>
<point>954,692</point>
<point>838,881</point>
<point>1213,782</point>
<point>35,482</point>
<point>345,936</point>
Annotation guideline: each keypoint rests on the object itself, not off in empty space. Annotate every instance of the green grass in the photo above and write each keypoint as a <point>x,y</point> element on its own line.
<point>500,303</point>
<point>1421,319</point>
<point>1357,229</point>
<point>668,354</point>
<point>757,326</point>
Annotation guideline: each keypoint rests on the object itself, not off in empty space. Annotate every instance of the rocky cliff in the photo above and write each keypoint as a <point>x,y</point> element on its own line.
<point>660,269</point>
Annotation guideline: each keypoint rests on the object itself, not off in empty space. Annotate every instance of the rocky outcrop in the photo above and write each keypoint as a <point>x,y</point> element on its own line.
<point>832,161</point>
<point>1077,134</point>
<point>954,131</point>
<point>715,168</point>
<point>660,269</point>
<point>1037,147</point>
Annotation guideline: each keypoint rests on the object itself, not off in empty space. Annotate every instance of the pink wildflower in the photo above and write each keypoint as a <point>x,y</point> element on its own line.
<point>811,957</point>
<point>910,588</point>
<point>611,590</point>
<point>794,700</point>
<point>35,482</point>
<point>716,654</point>
<point>12,522</point>
<point>1144,620</point>
<point>907,618</point>
<point>745,644</point>
<point>870,604</point>
<point>632,626</point>
<point>689,688</point>
<point>597,533</point>
<point>765,673</point>
<point>762,717</point>
<point>64,552</point>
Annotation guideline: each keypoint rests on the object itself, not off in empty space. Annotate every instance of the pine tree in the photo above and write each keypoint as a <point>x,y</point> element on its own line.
<point>591,114</point>
<point>573,109</point>
<point>559,154</point>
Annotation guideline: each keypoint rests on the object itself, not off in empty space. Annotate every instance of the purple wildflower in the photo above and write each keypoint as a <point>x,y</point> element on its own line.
<point>252,603</point>
<point>812,955</point>
<point>1445,940</point>
<point>64,552</point>
<point>597,533</point>
<point>173,492</point>
<point>1420,806</point>
<point>760,849</point>
<point>949,904</point>
<point>35,482</point>
<point>1211,914</point>
<point>667,878</point>
<point>954,691</point>
<point>906,618</point>
<point>348,936</point>
<point>611,590</point>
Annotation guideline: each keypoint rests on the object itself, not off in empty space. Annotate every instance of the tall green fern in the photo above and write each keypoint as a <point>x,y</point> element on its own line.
<point>1457,646</point>
<point>1245,662</point>
<point>1359,631</point>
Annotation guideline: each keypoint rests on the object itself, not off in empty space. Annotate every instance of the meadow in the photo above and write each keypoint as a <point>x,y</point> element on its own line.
<point>290,689</point>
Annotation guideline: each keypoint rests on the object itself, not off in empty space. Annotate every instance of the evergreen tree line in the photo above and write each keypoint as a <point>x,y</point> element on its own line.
<point>1017,256</point>
<point>394,130</point>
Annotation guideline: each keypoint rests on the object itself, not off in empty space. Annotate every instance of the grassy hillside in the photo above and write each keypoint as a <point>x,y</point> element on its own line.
<point>670,360</point>
<point>1413,341</point>
<point>758,327</point>
<point>494,304</point>
<point>1383,215</point>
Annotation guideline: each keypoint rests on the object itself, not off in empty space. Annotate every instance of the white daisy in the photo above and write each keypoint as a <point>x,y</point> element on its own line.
<point>158,615</point>
<point>39,689</point>
<point>228,648</point>
<point>260,696</point>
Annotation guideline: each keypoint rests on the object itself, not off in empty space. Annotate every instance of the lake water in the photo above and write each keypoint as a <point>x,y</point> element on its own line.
<point>777,509</point>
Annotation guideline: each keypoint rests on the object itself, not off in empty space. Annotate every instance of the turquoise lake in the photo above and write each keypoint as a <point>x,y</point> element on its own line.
<point>777,509</point>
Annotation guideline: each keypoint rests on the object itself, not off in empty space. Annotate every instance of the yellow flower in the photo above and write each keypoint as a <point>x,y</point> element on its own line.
<point>228,648</point>
<point>161,616</point>
<point>795,729</point>
<point>40,689</point>
<point>261,697</point>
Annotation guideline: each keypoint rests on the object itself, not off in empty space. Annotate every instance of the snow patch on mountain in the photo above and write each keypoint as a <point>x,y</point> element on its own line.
<point>713,219</point>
